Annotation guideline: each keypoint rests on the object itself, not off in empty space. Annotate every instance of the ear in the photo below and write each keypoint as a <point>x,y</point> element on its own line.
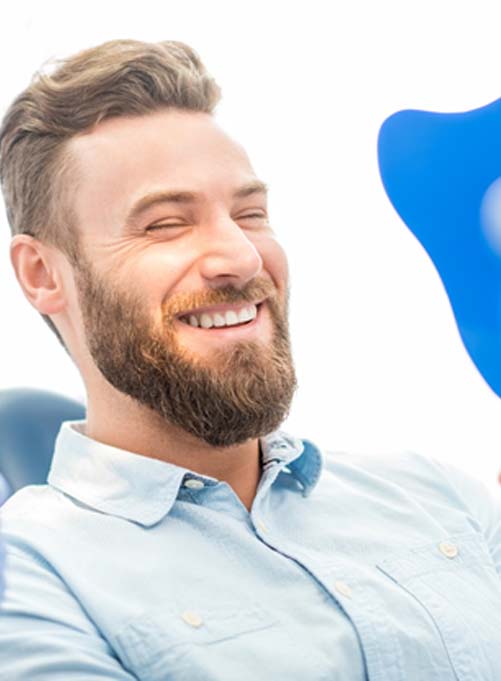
<point>38,274</point>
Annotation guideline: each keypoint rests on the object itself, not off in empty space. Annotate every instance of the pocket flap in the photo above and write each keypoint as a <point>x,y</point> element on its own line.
<point>432,557</point>
<point>169,631</point>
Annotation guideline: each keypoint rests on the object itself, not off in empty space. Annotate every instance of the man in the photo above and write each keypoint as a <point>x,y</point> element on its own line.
<point>181,535</point>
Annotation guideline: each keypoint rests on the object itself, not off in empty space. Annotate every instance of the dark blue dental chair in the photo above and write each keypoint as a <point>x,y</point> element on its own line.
<point>29,423</point>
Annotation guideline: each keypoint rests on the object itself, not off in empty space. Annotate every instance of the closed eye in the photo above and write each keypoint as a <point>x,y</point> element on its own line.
<point>166,225</point>
<point>257,218</point>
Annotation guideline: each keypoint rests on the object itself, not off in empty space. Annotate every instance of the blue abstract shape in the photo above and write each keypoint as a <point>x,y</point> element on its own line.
<point>442,173</point>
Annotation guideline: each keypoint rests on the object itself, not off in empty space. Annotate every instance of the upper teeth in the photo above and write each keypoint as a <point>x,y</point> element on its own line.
<point>228,318</point>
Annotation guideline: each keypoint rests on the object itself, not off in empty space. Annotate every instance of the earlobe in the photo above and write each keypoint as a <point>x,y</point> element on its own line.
<point>37,274</point>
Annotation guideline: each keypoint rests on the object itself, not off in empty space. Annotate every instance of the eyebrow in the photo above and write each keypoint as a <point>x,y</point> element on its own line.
<point>187,197</point>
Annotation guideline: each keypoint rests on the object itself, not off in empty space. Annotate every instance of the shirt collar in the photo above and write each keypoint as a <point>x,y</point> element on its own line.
<point>138,488</point>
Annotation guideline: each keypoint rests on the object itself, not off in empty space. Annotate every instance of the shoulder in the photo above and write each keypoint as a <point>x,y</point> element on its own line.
<point>37,502</point>
<point>36,518</point>
<point>407,469</point>
<point>434,484</point>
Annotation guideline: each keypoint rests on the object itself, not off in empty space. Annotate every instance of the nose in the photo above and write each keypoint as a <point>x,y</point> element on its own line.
<point>229,256</point>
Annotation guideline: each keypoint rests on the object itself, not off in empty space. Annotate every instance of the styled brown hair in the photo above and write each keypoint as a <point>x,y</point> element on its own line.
<point>117,78</point>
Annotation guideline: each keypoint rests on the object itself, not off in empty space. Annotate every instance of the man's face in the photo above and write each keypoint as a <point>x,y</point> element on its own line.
<point>182,286</point>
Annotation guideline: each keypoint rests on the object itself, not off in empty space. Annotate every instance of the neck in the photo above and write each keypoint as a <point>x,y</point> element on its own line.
<point>122,423</point>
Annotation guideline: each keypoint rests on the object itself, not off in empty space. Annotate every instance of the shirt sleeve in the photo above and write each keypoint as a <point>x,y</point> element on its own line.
<point>4,493</point>
<point>44,633</point>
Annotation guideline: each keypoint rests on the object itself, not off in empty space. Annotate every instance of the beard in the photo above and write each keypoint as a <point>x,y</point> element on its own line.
<point>241,391</point>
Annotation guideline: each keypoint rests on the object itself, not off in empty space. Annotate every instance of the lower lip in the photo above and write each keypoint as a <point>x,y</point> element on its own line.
<point>229,332</point>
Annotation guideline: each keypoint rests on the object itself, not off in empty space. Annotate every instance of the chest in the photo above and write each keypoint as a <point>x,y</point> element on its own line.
<point>296,596</point>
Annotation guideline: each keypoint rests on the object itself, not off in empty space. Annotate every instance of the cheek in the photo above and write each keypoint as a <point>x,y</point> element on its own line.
<point>157,271</point>
<point>275,262</point>
<point>149,279</point>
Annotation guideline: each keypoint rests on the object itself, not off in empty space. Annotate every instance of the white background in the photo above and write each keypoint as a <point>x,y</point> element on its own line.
<point>306,86</point>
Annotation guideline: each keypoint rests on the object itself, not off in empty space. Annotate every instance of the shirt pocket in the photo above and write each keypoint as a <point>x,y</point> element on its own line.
<point>455,580</point>
<point>213,642</point>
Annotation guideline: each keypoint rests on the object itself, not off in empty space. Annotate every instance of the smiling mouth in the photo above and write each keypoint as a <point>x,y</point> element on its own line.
<point>222,316</point>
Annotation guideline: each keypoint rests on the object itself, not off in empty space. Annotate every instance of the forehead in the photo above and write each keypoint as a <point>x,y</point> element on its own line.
<point>122,159</point>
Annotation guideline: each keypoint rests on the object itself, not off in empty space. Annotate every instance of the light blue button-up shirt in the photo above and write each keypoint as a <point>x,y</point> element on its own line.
<point>348,567</point>
<point>4,493</point>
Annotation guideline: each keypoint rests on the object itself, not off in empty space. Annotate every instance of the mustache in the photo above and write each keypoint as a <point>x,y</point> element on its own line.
<point>254,291</point>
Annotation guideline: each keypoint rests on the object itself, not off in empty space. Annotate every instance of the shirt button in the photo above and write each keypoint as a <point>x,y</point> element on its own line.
<point>192,618</point>
<point>192,483</point>
<point>343,588</point>
<point>448,549</point>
